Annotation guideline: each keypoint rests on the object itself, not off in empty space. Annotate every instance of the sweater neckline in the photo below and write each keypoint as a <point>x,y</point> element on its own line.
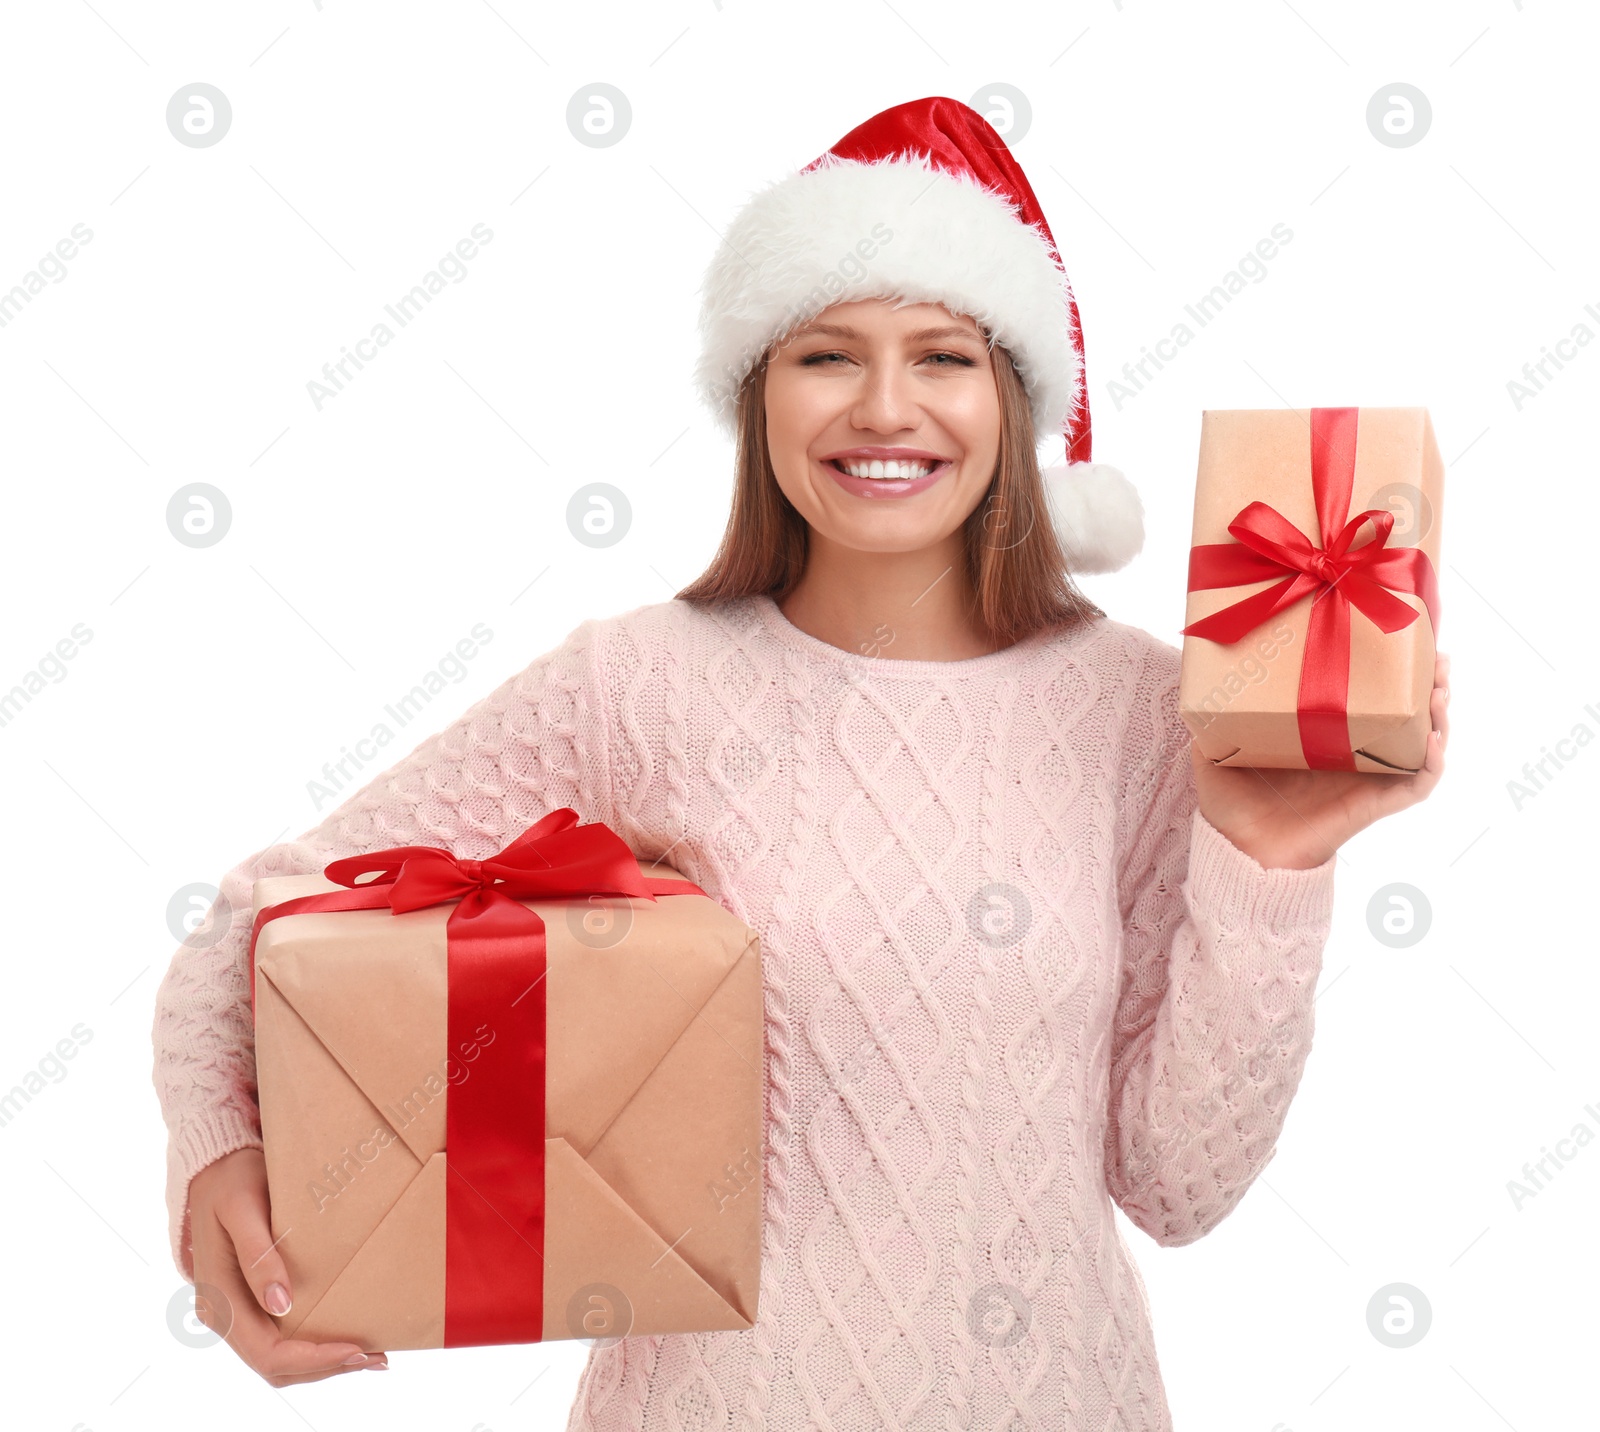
<point>786,631</point>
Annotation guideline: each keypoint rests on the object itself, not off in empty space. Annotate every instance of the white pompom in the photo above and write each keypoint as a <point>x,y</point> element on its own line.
<point>1098,516</point>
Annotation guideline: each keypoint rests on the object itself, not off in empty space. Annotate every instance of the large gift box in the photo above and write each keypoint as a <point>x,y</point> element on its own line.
<point>510,1100</point>
<point>1313,606</point>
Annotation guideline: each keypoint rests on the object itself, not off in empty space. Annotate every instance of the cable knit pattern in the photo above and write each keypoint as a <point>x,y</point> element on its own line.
<point>1011,975</point>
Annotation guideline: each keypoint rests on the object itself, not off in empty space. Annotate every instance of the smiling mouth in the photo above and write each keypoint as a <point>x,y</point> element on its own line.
<point>876,470</point>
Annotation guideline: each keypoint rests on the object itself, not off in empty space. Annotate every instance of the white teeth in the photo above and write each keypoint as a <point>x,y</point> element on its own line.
<point>896,470</point>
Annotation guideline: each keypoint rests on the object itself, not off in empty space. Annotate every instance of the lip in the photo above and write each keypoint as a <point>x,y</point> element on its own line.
<point>887,490</point>
<point>886,454</point>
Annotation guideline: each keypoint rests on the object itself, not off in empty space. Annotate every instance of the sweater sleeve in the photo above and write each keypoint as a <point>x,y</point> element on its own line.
<point>536,743</point>
<point>1214,1017</point>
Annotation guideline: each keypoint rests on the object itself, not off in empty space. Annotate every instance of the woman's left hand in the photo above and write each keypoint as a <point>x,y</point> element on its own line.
<point>1297,819</point>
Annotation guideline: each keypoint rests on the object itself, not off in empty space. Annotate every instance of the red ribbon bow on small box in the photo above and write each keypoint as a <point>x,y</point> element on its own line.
<point>1269,545</point>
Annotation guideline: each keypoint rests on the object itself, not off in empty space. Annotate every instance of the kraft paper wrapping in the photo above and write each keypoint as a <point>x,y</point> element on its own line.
<point>1239,700</point>
<point>654,1115</point>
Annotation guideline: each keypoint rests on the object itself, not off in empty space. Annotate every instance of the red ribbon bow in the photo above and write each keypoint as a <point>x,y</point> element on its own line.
<point>1269,545</point>
<point>494,1122</point>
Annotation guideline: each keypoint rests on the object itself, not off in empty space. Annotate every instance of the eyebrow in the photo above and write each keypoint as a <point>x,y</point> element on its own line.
<point>922,335</point>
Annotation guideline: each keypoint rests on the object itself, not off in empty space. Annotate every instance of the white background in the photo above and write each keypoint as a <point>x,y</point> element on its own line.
<point>368,538</point>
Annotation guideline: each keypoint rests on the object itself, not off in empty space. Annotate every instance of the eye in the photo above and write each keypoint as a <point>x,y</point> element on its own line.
<point>814,360</point>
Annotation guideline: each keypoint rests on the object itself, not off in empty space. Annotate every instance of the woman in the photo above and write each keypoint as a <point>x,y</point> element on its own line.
<point>1024,951</point>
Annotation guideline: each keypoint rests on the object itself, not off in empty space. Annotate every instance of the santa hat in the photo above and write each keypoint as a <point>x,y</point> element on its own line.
<point>923,202</point>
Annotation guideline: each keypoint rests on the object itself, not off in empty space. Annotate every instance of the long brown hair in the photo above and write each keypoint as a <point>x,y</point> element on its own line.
<point>1016,568</point>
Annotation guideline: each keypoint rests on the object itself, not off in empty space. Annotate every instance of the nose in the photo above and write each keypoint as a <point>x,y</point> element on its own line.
<point>883,401</point>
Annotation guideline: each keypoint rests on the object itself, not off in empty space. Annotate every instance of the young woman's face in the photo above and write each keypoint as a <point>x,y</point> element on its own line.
<point>865,384</point>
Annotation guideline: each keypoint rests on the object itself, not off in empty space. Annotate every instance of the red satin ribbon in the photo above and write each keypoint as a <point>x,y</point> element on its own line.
<point>1269,545</point>
<point>495,1119</point>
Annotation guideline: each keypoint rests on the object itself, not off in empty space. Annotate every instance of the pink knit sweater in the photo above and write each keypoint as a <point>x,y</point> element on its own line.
<point>1011,975</point>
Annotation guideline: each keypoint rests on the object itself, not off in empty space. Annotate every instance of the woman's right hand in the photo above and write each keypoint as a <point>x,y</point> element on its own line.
<point>231,1227</point>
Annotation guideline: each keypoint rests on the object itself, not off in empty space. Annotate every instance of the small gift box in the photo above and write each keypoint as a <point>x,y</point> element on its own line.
<point>1313,604</point>
<point>510,1100</point>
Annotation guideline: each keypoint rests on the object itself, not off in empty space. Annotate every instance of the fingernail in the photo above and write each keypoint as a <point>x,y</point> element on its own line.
<point>355,1361</point>
<point>277,1299</point>
<point>378,1367</point>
